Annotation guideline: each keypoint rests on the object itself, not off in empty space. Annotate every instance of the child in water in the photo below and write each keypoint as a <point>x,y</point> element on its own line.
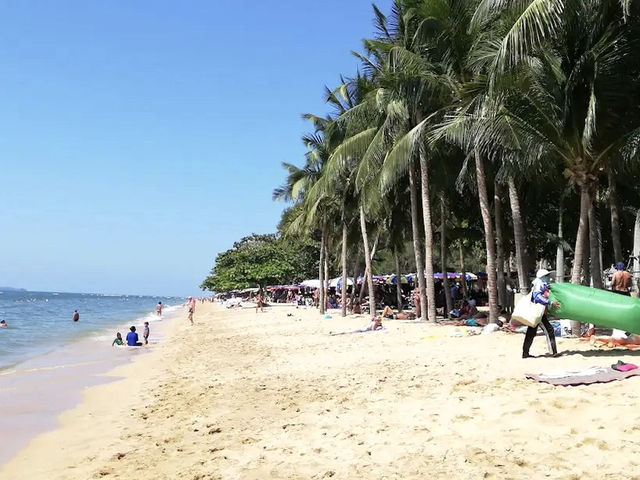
<point>3,324</point>
<point>117,340</point>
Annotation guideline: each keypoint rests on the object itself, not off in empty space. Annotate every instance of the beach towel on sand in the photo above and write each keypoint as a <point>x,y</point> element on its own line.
<point>583,377</point>
<point>360,332</point>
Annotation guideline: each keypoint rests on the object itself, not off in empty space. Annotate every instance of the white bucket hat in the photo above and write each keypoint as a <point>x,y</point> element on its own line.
<point>543,272</point>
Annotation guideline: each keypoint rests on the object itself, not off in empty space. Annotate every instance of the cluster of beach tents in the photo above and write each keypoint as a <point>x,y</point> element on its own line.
<point>383,280</point>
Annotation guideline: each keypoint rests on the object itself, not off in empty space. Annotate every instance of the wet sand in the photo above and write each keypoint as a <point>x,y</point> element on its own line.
<point>35,392</point>
<point>242,395</point>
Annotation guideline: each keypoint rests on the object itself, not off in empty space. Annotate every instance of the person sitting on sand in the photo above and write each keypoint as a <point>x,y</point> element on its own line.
<point>117,340</point>
<point>471,311</point>
<point>357,308</point>
<point>3,324</point>
<point>132,338</point>
<point>375,324</point>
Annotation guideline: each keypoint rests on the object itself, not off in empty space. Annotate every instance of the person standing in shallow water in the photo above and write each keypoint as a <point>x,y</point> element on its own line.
<point>76,316</point>
<point>159,309</point>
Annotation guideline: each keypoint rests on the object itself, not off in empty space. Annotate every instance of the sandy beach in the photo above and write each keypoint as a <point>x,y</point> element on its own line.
<point>242,395</point>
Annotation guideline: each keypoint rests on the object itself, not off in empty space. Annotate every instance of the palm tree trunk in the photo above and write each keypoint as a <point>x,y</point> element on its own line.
<point>518,235</point>
<point>323,247</point>
<point>560,249</point>
<point>344,269</point>
<point>415,230</point>
<point>356,270</point>
<point>465,290</point>
<point>636,251</point>
<point>583,231</point>
<point>443,258</point>
<point>500,257</point>
<point>428,238</point>
<point>581,253</point>
<point>326,270</point>
<point>615,218</point>
<point>367,258</point>
<point>489,239</point>
<point>586,268</point>
<point>365,288</point>
<point>398,279</point>
<point>594,242</point>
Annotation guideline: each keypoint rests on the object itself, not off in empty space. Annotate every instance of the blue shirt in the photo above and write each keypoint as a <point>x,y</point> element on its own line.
<point>539,289</point>
<point>132,339</point>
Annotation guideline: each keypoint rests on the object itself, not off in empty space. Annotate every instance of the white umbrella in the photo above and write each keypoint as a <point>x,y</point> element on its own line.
<point>337,282</point>
<point>311,283</point>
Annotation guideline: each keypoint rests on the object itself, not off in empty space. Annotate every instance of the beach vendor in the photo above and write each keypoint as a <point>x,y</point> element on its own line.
<point>621,281</point>
<point>540,295</point>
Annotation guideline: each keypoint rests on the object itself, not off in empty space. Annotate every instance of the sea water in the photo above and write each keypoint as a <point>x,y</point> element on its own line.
<point>39,322</point>
<point>47,360</point>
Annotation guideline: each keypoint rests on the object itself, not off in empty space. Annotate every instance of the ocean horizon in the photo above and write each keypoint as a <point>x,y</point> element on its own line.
<point>40,322</point>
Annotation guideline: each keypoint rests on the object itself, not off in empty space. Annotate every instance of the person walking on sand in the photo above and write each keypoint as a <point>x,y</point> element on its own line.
<point>540,295</point>
<point>621,281</point>
<point>416,302</point>
<point>259,302</point>
<point>191,305</point>
<point>159,309</point>
<point>145,334</point>
<point>76,316</point>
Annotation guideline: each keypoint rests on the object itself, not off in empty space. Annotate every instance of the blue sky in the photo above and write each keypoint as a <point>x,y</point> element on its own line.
<point>140,138</point>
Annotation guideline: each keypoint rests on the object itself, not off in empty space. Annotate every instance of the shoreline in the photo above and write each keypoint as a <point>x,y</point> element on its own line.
<point>61,375</point>
<point>274,395</point>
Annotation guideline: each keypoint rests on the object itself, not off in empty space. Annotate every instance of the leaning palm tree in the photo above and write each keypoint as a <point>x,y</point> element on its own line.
<point>300,182</point>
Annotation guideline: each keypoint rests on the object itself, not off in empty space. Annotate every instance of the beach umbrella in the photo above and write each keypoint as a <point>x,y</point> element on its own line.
<point>339,282</point>
<point>393,280</point>
<point>311,283</point>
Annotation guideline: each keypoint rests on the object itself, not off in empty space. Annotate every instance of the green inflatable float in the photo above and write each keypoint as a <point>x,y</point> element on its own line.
<point>600,307</point>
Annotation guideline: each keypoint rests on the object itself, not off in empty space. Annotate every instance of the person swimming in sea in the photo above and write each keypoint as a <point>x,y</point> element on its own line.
<point>3,324</point>
<point>76,316</point>
<point>118,340</point>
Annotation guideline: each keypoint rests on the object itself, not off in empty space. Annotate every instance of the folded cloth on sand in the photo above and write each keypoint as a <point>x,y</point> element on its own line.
<point>583,377</point>
<point>620,366</point>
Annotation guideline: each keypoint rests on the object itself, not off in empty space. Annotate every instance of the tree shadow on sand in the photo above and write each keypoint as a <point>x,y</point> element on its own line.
<point>616,352</point>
